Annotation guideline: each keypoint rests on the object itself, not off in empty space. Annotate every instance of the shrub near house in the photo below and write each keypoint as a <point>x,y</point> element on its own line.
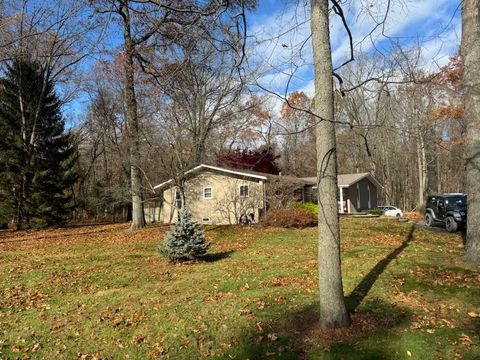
<point>294,217</point>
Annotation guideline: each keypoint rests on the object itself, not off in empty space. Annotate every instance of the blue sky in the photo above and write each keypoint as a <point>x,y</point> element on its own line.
<point>279,47</point>
<point>434,25</point>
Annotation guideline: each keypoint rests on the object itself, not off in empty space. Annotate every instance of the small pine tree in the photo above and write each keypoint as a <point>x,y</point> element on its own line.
<point>185,240</point>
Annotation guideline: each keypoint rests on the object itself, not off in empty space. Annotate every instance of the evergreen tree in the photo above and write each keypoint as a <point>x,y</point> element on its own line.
<point>186,239</point>
<point>37,157</point>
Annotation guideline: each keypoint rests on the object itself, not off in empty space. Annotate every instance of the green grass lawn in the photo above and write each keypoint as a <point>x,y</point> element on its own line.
<point>103,292</point>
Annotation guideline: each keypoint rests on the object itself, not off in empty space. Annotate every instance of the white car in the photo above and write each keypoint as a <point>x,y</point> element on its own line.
<point>391,211</point>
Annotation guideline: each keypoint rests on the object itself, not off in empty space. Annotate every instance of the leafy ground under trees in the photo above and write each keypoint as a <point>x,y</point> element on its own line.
<point>103,292</point>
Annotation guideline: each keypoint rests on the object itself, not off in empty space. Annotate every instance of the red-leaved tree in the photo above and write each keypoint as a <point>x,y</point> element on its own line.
<point>262,159</point>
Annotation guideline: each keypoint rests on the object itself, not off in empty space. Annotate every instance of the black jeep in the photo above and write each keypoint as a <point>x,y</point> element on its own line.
<point>448,209</point>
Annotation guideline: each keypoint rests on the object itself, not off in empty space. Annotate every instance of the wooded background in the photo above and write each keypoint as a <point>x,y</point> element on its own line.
<point>180,71</point>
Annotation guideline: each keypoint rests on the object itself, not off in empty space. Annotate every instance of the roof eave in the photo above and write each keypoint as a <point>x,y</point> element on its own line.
<point>211,167</point>
<point>241,173</point>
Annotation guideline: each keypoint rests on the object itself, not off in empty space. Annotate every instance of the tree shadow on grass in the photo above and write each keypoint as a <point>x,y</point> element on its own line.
<point>463,232</point>
<point>298,335</point>
<point>217,256</point>
<point>361,290</point>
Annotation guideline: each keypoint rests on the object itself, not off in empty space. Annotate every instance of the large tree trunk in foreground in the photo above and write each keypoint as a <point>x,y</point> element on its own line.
<point>471,83</point>
<point>332,305</point>
<point>138,219</point>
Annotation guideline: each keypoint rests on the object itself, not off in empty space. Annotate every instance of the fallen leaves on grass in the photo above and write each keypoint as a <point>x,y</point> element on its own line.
<point>441,277</point>
<point>156,351</point>
<point>465,340</point>
<point>272,337</point>
<point>105,234</point>
<point>306,328</point>
<point>139,339</point>
<point>302,282</point>
<point>119,318</point>
<point>95,356</point>
<point>21,298</point>
<point>473,314</point>
<point>276,265</point>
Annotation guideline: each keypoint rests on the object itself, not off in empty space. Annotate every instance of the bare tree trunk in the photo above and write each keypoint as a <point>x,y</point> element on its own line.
<point>422,168</point>
<point>438,170</point>
<point>138,219</point>
<point>199,155</point>
<point>333,312</point>
<point>471,83</point>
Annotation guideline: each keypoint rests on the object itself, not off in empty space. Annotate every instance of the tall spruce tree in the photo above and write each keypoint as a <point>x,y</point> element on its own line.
<point>37,157</point>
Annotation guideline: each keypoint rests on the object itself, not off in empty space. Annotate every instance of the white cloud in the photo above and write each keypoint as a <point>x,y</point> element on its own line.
<point>281,49</point>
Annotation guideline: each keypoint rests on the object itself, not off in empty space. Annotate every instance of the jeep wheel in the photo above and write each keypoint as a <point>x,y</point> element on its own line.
<point>451,224</point>
<point>428,219</point>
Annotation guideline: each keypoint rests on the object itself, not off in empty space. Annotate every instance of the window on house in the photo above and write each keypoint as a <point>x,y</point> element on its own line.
<point>178,199</point>
<point>207,193</point>
<point>244,190</point>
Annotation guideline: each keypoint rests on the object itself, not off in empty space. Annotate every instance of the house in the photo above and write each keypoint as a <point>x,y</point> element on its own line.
<point>219,195</point>
<point>356,192</point>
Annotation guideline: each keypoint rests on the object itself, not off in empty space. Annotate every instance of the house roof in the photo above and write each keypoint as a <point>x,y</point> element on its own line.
<point>248,173</point>
<point>350,179</point>
<point>347,180</point>
<point>344,180</point>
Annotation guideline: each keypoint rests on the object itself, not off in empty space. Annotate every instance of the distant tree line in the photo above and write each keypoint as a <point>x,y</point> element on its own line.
<point>192,104</point>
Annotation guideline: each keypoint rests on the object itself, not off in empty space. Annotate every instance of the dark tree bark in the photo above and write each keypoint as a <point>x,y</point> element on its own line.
<point>471,83</point>
<point>138,219</point>
<point>333,312</point>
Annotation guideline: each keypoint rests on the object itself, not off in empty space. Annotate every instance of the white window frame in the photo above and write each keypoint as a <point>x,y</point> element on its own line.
<point>240,191</point>
<point>211,192</point>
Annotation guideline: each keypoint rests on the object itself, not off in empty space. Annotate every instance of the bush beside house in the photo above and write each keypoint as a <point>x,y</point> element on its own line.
<point>290,218</point>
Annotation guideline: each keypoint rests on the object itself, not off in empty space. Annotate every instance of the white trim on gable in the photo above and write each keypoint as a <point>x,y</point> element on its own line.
<point>369,176</point>
<point>162,184</point>
<point>216,168</point>
<point>228,171</point>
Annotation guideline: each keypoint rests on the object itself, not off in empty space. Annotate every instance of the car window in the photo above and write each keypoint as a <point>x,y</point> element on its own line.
<point>460,200</point>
